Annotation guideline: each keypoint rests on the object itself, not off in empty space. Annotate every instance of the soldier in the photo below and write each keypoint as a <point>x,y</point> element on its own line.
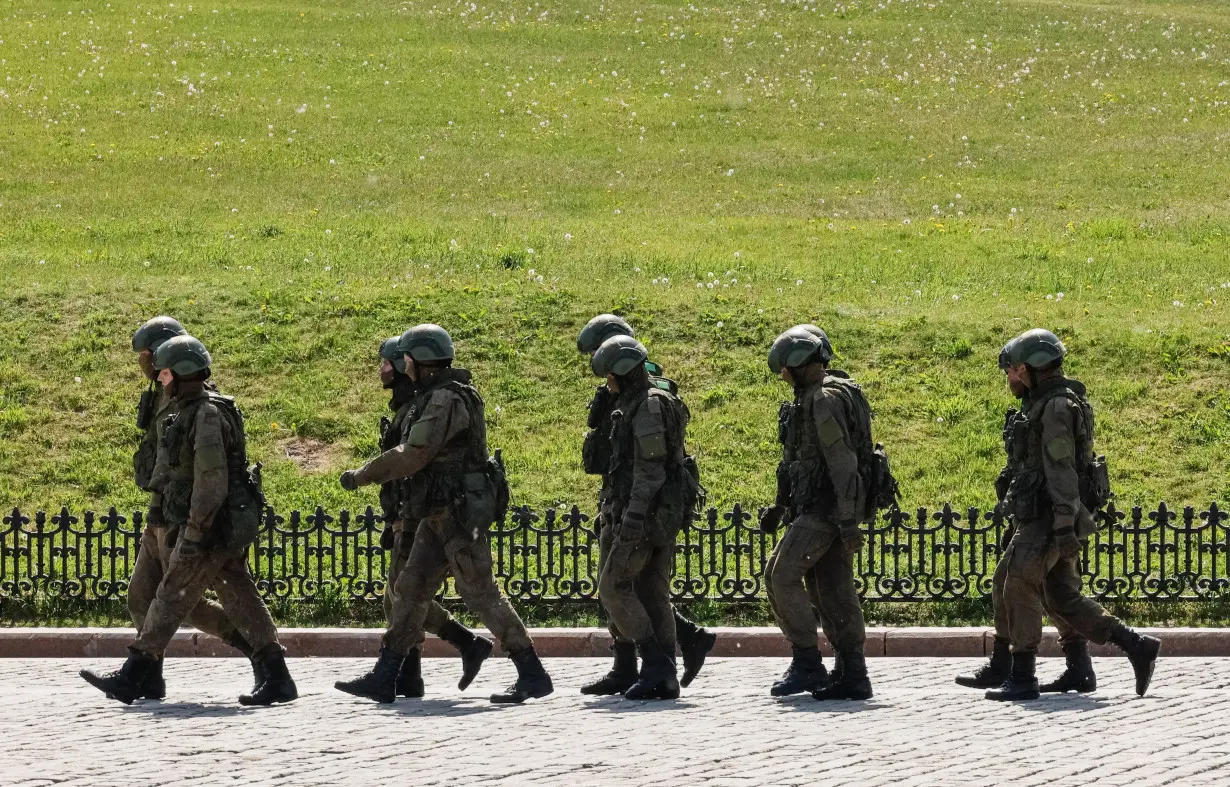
<point>821,485</point>
<point>1078,675</point>
<point>650,492</point>
<point>458,493</point>
<point>1055,488</point>
<point>694,641</point>
<point>154,408</point>
<point>212,508</point>
<point>398,535</point>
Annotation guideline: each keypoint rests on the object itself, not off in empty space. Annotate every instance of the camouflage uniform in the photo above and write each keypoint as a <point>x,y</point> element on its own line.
<point>191,476</point>
<point>395,496</point>
<point>638,543</point>
<point>155,550</point>
<point>445,443</point>
<point>813,563</point>
<point>1044,495</point>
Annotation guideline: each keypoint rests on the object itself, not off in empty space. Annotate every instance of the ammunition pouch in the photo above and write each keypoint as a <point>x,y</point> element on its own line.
<point>145,408</point>
<point>473,509</point>
<point>882,490</point>
<point>783,485</point>
<point>679,502</point>
<point>390,500</point>
<point>596,453</point>
<point>808,484</point>
<point>1095,485</point>
<point>144,459</point>
<point>1024,499</point>
<point>239,522</point>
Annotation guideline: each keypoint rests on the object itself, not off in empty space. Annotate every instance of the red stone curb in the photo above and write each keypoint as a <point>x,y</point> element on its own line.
<point>579,642</point>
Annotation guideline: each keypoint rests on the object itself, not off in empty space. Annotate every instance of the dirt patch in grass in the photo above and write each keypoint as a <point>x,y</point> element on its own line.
<point>310,455</point>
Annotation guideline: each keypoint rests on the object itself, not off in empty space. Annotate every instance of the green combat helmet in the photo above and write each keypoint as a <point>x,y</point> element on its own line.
<point>183,355</point>
<point>156,331</point>
<point>800,345</point>
<point>1035,348</point>
<point>427,343</point>
<point>618,355</point>
<point>599,329</point>
<point>389,351</point>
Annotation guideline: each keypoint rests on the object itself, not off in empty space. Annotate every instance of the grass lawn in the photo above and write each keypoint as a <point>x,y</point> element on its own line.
<point>296,181</point>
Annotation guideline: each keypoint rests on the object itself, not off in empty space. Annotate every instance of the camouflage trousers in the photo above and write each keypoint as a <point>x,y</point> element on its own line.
<point>684,629</point>
<point>1067,634</point>
<point>152,558</point>
<point>1038,579</point>
<point>403,540</point>
<point>188,572</point>
<point>810,575</point>
<point>634,584</point>
<point>442,547</point>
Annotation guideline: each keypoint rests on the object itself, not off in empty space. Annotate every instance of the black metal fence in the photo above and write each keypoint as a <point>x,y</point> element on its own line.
<point>919,555</point>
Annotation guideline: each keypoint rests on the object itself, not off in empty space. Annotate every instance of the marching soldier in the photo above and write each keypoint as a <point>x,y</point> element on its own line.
<point>458,491</point>
<point>824,483</point>
<point>1055,485</point>
<point>695,642</point>
<point>212,506</point>
<point>398,536</point>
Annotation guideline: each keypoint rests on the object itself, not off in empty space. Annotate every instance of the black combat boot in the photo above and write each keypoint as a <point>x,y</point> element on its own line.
<point>532,680</point>
<point>839,668</point>
<point>695,642</point>
<point>622,674</point>
<point>1078,676</point>
<point>129,682</point>
<point>657,680</point>
<point>474,650</point>
<point>1142,651</point>
<point>1021,683</point>
<point>277,685</point>
<point>853,683</point>
<point>994,672</point>
<point>381,683</point>
<point>410,677</point>
<point>805,673</point>
<point>155,687</point>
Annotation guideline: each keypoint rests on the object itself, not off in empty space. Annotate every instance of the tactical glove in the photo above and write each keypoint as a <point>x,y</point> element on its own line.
<point>349,481</point>
<point>771,518</point>
<point>154,517</point>
<point>851,536</point>
<point>1067,542</point>
<point>189,550</point>
<point>386,538</point>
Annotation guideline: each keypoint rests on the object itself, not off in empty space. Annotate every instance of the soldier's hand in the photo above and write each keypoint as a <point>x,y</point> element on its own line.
<point>189,549</point>
<point>1067,542</point>
<point>386,538</point>
<point>154,517</point>
<point>852,536</point>
<point>348,481</point>
<point>771,518</point>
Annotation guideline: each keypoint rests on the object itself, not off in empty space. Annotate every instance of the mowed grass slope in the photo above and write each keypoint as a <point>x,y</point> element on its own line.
<point>297,181</point>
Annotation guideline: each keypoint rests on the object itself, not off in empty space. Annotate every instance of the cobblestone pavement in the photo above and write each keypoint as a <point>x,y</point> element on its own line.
<point>920,729</point>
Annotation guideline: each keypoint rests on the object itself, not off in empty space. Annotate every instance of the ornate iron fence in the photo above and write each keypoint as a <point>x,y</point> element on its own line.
<point>919,555</point>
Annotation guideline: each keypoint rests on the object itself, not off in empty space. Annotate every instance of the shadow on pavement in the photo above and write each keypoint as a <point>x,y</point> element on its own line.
<point>1063,703</point>
<point>189,710</point>
<point>441,707</point>
<point>805,703</point>
<point>620,705</point>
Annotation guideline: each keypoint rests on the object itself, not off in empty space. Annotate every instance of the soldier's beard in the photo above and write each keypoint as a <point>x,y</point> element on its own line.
<point>1019,389</point>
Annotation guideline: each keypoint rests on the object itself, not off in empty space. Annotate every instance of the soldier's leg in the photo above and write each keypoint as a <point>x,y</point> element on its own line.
<point>475,578</point>
<point>796,555</point>
<point>840,606</point>
<point>1028,557</point>
<point>243,605</point>
<point>617,588</point>
<point>623,672</point>
<point>996,670</point>
<point>396,562</point>
<point>653,588</point>
<point>793,559</point>
<point>1081,615</point>
<point>426,569</point>
<point>208,615</point>
<point>146,575</point>
<point>188,574</point>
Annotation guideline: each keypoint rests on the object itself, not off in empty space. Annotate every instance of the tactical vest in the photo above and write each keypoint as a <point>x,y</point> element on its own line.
<point>803,470</point>
<point>441,482</point>
<point>238,519</point>
<point>394,494</point>
<point>146,455</point>
<point>596,448</point>
<point>1023,481</point>
<point>681,494</point>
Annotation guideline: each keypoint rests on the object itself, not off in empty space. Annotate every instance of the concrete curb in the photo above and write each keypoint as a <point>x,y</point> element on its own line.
<point>579,642</point>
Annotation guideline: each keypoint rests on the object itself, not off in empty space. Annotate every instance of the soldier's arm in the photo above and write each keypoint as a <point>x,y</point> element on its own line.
<point>1059,461</point>
<point>833,429</point>
<point>444,416</point>
<point>649,461</point>
<point>209,479</point>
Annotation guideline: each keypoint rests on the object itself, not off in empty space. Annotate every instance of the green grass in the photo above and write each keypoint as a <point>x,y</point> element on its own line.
<point>297,181</point>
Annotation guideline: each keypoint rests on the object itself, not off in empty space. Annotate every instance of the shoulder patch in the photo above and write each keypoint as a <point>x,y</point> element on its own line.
<point>829,431</point>
<point>420,432</point>
<point>1061,448</point>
